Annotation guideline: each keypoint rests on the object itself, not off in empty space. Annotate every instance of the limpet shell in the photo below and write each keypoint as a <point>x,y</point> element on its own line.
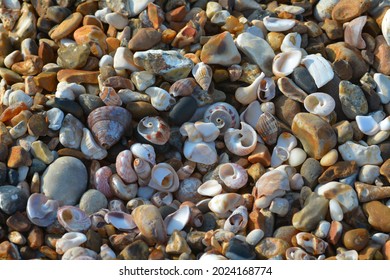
<point>41,211</point>
<point>223,115</point>
<point>319,103</point>
<point>154,129</point>
<point>73,218</point>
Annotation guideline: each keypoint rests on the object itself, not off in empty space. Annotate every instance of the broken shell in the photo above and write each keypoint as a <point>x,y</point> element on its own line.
<point>200,131</point>
<point>69,240</point>
<point>161,199</point>
<point>41,211</point>
<point>292,41</point>
<point>284,63</point>
<point>251,114</point>
<point>154,130</point>
<point>268,128</point>
<point>71,132</point>
<point>287,141</point>
<point>278,24</point>
<point>235,72</point>
<point>233,175</point>
<point>73,218</point>
<point>186,170</point>
<point>296,253</point>
<point>121,190</point>
<point>200,152</point>
<point>183,87</point>
<point>150,223</point>
<point>164,178</point>
<point>120,220</point>
<point>124,167</point>
<point>319,68</point>
<point>223,115</point>
<point>102,184</point>
<point>279,155</point>
<point>266,90</point>
<point>237,220</point>
<point>246,95</point>
<point>108,124</point>
<point>319,103</point>
<point>383,87</point>
<point>203,75</point>
<point>143,170</point>
<point>367,125</point>
<point>177,220</point>
<point>353,32</point>
<point>160,98</point>
<point>210,188</point>
<point>223,203</point>
<point>145,152</point>
<point>196,217</point>
<point>310,243</point>
<point>242,141</point>
<point>90,148</point>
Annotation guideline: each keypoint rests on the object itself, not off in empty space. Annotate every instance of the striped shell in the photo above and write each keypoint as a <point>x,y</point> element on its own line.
<point>73,218</point>
<point>223,115</point>
<point>266,90</point>
<point>109,96</point>
<point>154,130</point>
<point>183,87</point>
<point>268,128</point>
<point>124,167</point>
<point>108,124</point>
<point>143,170</point>
<point>102,184</point>
<point>203,74</point>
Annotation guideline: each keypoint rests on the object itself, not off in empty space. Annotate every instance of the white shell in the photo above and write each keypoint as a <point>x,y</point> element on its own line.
<point>211,257</point>
<point>292,41</point>
<point>336,213</point>
<point>55,117</point>
<point>287,141</point>
<point>203,74</point>
<point>143,170</point>
<point>268,107</point>
<point>353,32</point>
<point>144,151</point>
<point>246,95</point>
<point>385,124</point>
<point>319,103</point>
<point>237,220</point>
<point>200,131</point>
<point>367,125</point>
<point>69,240</point>
<point>252,113</point>
<point>223,203</point>
<point>383,87</point>
<point>242,141</point>
<point>164,178</point>
<point>160,98</point>
<point>319,68</point>
<point>233,175</point>
<point>279,155</point>
<point>120,220</point>
<point>386,27</point>
<point>178,219</point>
<point>90,148</point>
<point>200,152</point>
<point>285,62</point>
<point>278,24</point>
<point>210,188</point>
<point>266,90</point>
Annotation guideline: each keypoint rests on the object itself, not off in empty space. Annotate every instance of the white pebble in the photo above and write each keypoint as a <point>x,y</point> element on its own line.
<point>385,124</point>
<point>220,17</point>
<point>23,171</point>
<point>116,20</point>
<point>123,60</point>
<point>297,157</point>
<point>279,206</point>
<point>347,255</point>
<point>55,117</point>
<point>254,237</point>
<point>70,240</point>
<point>212,8</point>
<point>367,125</point>
<point>101,14</point>
<point>106,60</point>
<point>336,213</point>
<point>142,80</point>
<point>19,96</point>
<point>368,173</point>
<point>296,182</point>
<point>322,229</point>
<point>65,94</point>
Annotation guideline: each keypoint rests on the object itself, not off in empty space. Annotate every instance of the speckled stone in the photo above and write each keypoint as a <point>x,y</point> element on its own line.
<point>12,199</point>
<point>92,201</point>
<point>271,247</point>
<point>138,250</point>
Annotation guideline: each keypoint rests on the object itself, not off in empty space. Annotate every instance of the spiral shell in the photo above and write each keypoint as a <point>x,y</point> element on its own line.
<point>186,170</point>
<point>108,124</point>
<point>120,220</point>
<point>143,170</point>
<point>183,87</point>
<point>319,103</point>
<point>246,95</point>
<point>164,178</point>
<point>242,141</point>
<point>223,203</point>
<point>268,128</point>
<point>223,115</point>
<point>41,211</point>
<point>124,166</point>
<point>203,74</point>
<point>144,151</point>
<point>237,220</point>
<point>161,198</point>
<point>121,190</point>
<point>69,240</point>
<point>102,184</point>
<point>160,98</point>
<point>266,90</point>
<point>196,216</point>
<point>154,129</point>
<point>73,218</point>
<point>235,72</point>
<point>233,175</point>
<point>90,148</point>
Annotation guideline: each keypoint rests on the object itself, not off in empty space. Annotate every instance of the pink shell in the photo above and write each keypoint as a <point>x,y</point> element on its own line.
<point>102,182</point>
<point>124,166</point>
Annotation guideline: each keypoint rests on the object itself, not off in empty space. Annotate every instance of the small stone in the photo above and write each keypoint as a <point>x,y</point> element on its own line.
<point>16,238</point>
<point>118,21</point>
<point>92,201</point>
<point>254,237</point>
<point>209,222</point>
<point>370,251</point>
<point>361,154</point>
<point>73,56</point>
<point>316,135</point>
<point>346,10</point>
<point>35,237</point>
<point>303,79</point>
<point>183,110</point>
<point>356,239</point>
<point>271,247</point>
<point>333,29</point>
<point>94,240</point>
<point>10,76</point>
<point>381,54</point>
<point>12,199</point>
<point>9,251</point>
<point>90,102</point>
<point>311,171</point>
<point>144,39</point>
<point>123,59</point>
<point>48,252</point>
<point>344,194</point>
<point>142,80</point>
<point>37,125</point>
<point>352,100</point>
<point>18,222</point>
<point>141,109</point>
<point>31,65</point>
<point>368,173</point>
<point>138,250</point>
<point>42,152</point>
<point>71,132</point>
<point>339,170</point>
<point>18,157</point>
<point>239,250</point>
<point>378,215</point>
<point>344,131</point>
<point>92,36</point>
<point>78,76</point>
<point>275,40</point>
<point>177,244</point>
<point>386,250</point>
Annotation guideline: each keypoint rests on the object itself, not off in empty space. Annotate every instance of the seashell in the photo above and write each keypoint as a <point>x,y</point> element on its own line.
<point>251,114</point>
<point>237,220</point>
<point>268,107</point>
<point>90,148</point>
<point>177,220</point>
<point>268,128</point>
<point>121,190</point>
<point>124,167</point>
<point>287,141</point>
<point>120,220</point>
<point>284,63</point>
<point>117,205</point>
<point>242,141</point>
<point>143,170</point>
<point>279,155</point>
<point>367,125</point>
<point>319,68</point>
<point>203,75</point>
<point>266,90</point>
<point>127,96</point>
<point>200,152</point>
<point>196,216</point>
<point>310,243</point>
<point>150,223</point>
<point>183,87</point>
<point>108,124</point>
<point>109,96</point>
<point>212,257</point>
<point>235,72</point>
<point>71,132</point>
<point>161,199</point>
<point>164,178</point>
<point>199,131</point>
<point>386,27</point>
<point>223,115</point>
<point>233,175</point>
<point>210,188</point>
<point>383,87</point>
<point>246,95</point>
<point>223,203</point>
<point>69,240</point>
<point>160,98</point>
<point>102,184</point>
<point>186,170</point>
<point>292,41</point>
<point>278,24</point>
<point>291,90</point>
<point>41,211</point>
<point>296,253</point>
<point>353,32</point>
<point>154,129</point>
<point>73,218</point>
<point>144,151</point>
<point>319,103</point>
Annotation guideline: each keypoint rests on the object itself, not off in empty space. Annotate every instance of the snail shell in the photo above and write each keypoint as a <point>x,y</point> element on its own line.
<point>124,167</point>
<point>121,190</point>
<point>164,178</point>
<point>233,175</point>
<point>319,103</point>
<point>203,74</point>
<point>200,152</point>
<point>196,217</point>
<point>41,211</point>
<point>145,152</point>
<point>90,148</point>
<point>143,170</point>
<point>177,220</point>
<point>186,170</point>
<point>223,203</point>
<point>183,87</point>
<point>199,131</point>
<point>268,128</point>
<point>237,220</point>
<point>73,218</point>
<point>154,130</point>
<point>161,198</point>
<point>102,184</point>
<point>223,115</point>
<point>242,141</point>
<point>160,98</point>
<point>266,90</point>
<point>235,72</point>
<point>108,124</point>
<point>246,95</point>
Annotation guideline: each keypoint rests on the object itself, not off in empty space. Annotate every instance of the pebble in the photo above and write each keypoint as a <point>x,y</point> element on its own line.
<point>303,79</point>
<point>177,244</point>
<point>17,238</point>
<point>73,56</point>
<point>220,49</point>
<point>356,239</point>
<point>311,170</point>
<point>378,215</point>
<point>344,194</point>
<point>352,100</point>
<point>346,10</point>
<point>12,199</point>
<point>144,39</point>
<point>339,170</point>
<point>185,108</point>
<point>66,27</point>
<point>368,173</point>
<point>42,152</point>
<point>361,154</point>
<point>37,125</point>
<point>254,237</point>
<point>271,247</point>
<point>92,201</point>
<point>138,250</point>
<point>18,157</point>
<point>9,251</point>
<point>116,20</point>
<point>239,250</point>
<point>59,186</point>
<point>344,131</point>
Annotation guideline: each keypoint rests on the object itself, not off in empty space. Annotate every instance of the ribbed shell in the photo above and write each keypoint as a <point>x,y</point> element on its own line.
<point>268,128</point>
<point>203,74</point>
<point>183,87</point>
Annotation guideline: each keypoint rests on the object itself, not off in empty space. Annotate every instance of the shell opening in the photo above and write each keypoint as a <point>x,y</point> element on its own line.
<point>67,215</point>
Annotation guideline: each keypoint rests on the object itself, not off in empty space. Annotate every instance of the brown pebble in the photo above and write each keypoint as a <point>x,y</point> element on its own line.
<point>339,170</point>
<point>335,232</point>
<point>141,109</point>
<point>18,157</point>
<point>92,20</point>
<point>346,10</point>
<point>112,44</point>
<point>66,27</point>
<point>144,39</point>
<point>386,250</point>
<point>35,238</point>
<point>271,247</point>
<point>378,215</point>
<point>120,241</point>
<point>46,53</point>
<point>78,76</point>
<point>48,252</point>
<point>37,125</point>
<point>10,76</point>
<point>381,55</point>
<point>356,239</point>
<point>71,152</point>
<point>31,65</point>
<point>385,169</point>
<point>19,222</point>
<point>9,251</point>
<point>370,251</point>
<point>118,82</point>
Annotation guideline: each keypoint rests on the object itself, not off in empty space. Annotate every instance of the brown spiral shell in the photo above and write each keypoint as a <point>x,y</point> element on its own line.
<point>108,124</point>
<point>124,166</point>
<point>268,128</point>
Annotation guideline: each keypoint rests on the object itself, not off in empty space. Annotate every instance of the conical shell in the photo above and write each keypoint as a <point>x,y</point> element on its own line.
<point>268,128</point>
<point>160,98</point>
<point>223,115</point>
<point>124,166</point>
<point>203,75</point>
<point>242,141</point>
<point>73,218</point>
<point>154,129</point>
<point>183,87</point>
<point>164,178</point>
<point>177,220</point>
